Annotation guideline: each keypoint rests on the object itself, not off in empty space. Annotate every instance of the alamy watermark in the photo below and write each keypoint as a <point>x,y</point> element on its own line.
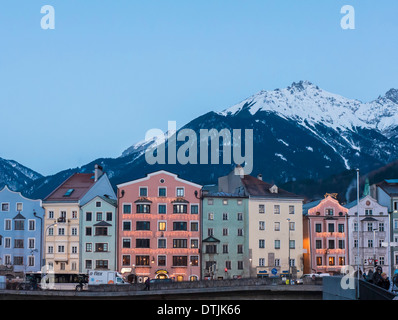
<point>187,153</point>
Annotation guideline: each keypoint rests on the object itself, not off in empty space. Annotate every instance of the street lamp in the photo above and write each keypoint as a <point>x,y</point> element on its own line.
<point>288,261</point>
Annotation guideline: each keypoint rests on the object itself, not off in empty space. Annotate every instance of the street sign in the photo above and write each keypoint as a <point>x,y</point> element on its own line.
<point>274,271</point>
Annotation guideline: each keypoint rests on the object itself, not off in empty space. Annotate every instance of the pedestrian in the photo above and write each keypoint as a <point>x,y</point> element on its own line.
<point>385,282</point>
<point>147,284</point>
<point>395,281</point>
<point>377,279</point>
<point>370,276</point>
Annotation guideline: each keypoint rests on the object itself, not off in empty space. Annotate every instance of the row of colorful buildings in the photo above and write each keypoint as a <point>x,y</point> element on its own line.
<point>165,227</point>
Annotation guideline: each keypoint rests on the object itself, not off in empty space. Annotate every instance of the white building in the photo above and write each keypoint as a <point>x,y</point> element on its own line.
<point>374,234</point>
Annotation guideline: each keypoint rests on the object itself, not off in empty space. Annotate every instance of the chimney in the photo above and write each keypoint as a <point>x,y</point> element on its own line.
<point>239,171</point>
<point>98,172</point>
<point>260,177</point>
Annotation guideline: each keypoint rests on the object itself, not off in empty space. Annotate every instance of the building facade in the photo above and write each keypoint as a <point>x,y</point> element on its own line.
<point>225,245</point>
<point>62,231</point>
<point>386,194</point>
<point>21,224</point>
<point>275,226</point>
<point>325,236</point>
<point>98,230</point>
<point>373,232</point>
<point>159,228</point>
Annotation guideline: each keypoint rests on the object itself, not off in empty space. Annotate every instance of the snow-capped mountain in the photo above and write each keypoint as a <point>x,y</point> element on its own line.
<point>300,132</point>
<point>15,175</point>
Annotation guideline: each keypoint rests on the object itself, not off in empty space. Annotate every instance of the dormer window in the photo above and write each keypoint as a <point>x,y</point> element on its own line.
<point>329,212</point>
<point>273,189</point>
<point>69,192</point>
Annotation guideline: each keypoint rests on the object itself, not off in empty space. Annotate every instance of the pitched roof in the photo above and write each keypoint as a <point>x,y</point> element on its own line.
<point>258,188</point>
<point>390,187</point>
<point>73,189</point>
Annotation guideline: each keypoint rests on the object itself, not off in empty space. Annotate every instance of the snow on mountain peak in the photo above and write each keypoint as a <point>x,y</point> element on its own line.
<point>308,104</point>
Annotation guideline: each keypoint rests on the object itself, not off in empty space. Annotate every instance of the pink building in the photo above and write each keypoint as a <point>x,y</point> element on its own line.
<point>325,236</point>
<point>159,228</point>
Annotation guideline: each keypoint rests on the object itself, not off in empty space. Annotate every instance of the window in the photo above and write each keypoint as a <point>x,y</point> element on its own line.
<point>142,243</point>
<point>51,214</point>
<point>143,225</point>
<point>292,244</point>
<point>277,244</point>
<point>74,214</point>
<point>194,226</point>
<point>142,260</point>
<point>101,247</point>
<point>225,216</point>
<point>89,247</point>
<point>180,261</point>
<point>331,244</point>
<point>329,212</point>
<point>101,231</point>
<point>211,248</point>
<point>89,216</point>
<point>341,228</point>
<point>194,260</point>
<point>180,226</point>
<point>261,243</point>
<point>210,216</point>
<point>74,250</point>
<point>277,209</point>
<point>341,244</point>
<point>261,225</point>
<point>18,261</point>
<point>224,248</point>
<point>239,249</point>
<point>180,243</point>
<point>291,209</point>
<point>194,243</point>
<point>143,191</point>
<point>74,231</point>
<point>370,226</point>
<point>19,206</point>
<point>126,260</point>
<point>194,209</point>
<point>210,202</point>
<point>109,216</point>
<point>101,264</point>
<point>50,250</point>
<point>261,262</point>
<point>162,243</point>
<point>180,208</point>
<point>69,192</point>
<point>225,231</point>
<point>126,225</point>
<point>143,208</point>
<point>330,227</point>
<point>240,216</point>
<point>370,243</point>
<point>225,202</point>
<point>368,212</point>
<point>292,226</point>
<point>98,204</point>
<point>240,232</point>
<point>228,265</point>
<point>61,249</point>
<point>99,216</point>
<point>318,244</point>
<point>332,261</point>
<point>18,243</point>
<point>161,261</point>
<point>180,192</point>
<point>126,208</point>
<point>261,208</point>
<point>19,225</point>
<point>162,209</point>
<point>7,224</point>
<point>162,192</point>
<point>318,261</point>
<point>277,226</point>
<point>5,207</point>
<point>61,231</point>
<point>318,227</point>
<point>381,226</point>
<point>161,226</point>
<point>239,202</point>
<point>126,243</point>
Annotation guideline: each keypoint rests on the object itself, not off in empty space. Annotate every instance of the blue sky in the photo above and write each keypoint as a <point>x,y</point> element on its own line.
<point>111,70</point>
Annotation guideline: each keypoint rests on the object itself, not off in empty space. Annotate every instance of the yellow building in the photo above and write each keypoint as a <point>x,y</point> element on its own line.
<point>62,227</point>
<point>275,226</point>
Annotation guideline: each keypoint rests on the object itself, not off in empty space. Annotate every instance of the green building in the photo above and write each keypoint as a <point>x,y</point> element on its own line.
<point>225,250</point>
<point>98,235</point>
